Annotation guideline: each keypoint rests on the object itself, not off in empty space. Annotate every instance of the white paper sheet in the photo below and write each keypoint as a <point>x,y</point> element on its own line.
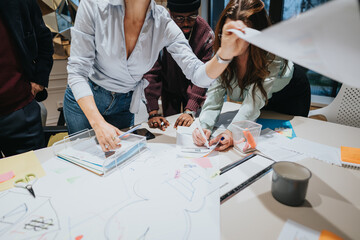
<point>295,231</point>
<point>325,39</point>
<point>155,197</point>
<point>280,148</point>
<point>331,155</point>
<point>272,144</point>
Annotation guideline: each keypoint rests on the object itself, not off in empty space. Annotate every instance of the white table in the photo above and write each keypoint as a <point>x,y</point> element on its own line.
<point>333,197</point>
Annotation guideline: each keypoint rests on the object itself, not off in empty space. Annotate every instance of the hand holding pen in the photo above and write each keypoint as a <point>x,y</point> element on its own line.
<point>201,135</point>
<point>226,140</point>
<point>157,121</point>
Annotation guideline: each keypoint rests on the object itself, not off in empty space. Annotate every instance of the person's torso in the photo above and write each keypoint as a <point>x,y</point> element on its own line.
<point>111,63</point>
<point>17,15</point>
<point>15,89</point>
<point>173,79</point>
<point>273,83</point>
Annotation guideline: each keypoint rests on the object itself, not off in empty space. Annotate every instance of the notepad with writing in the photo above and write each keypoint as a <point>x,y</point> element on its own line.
<point>350,157</point>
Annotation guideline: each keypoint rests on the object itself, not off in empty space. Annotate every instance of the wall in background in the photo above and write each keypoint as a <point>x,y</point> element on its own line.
<point>56,90</point>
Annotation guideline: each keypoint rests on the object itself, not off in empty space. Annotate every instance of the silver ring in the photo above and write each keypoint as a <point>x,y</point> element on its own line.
<point>106,146</point>
<point>114,137</point>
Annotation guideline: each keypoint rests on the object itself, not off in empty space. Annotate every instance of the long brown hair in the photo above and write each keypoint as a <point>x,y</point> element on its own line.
<point>254,15</point>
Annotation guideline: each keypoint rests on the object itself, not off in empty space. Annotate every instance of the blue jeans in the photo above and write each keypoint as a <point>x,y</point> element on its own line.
<point>114,107</point>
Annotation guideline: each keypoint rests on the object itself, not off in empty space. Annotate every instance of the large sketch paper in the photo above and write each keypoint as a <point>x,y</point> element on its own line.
<point>21,165</point>
<point>154,197</point>
<point>325,39</point>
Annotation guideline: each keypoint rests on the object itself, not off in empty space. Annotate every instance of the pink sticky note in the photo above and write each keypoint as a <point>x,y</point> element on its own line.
<point>203,162</point>
<point>6,176</point>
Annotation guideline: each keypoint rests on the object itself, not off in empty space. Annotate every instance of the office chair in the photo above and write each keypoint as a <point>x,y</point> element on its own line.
<point>344,109</point>
<point>55,133</point>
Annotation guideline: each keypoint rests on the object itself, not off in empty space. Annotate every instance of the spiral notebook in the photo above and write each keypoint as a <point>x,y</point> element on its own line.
<point>350,157</point>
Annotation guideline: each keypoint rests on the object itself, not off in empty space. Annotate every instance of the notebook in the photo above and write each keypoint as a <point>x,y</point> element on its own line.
<point>350,157</point>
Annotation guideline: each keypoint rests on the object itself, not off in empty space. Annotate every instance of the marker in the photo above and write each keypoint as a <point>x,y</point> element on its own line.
<point>234,164</point>
<point>129,131</point>
<point>195,150</point>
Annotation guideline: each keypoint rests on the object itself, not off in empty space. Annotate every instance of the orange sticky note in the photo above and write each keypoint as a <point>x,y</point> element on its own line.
<point>250,139</point>
<point>350,155</point>
<point>327,235</point>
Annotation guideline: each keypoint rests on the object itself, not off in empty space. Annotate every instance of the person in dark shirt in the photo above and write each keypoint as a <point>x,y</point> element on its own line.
<point>166,78</point>
<point>25,63</point>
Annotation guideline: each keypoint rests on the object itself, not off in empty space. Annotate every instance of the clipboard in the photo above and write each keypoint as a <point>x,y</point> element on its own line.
<point>242,173</point>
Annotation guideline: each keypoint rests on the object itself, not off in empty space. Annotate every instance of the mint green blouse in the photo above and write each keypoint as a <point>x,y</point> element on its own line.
<point>249,109</point>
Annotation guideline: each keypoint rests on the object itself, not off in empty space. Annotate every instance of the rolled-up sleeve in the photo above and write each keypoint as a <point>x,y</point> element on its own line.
<point>179,48</point>
<point>82,52</point>
<point>212,107</point>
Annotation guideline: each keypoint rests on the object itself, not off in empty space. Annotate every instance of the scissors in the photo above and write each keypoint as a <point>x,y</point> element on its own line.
<point>27,183</point>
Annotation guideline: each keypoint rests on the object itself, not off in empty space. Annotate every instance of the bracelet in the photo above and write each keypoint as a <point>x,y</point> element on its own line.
<point>154,115</point>
<point>191,113</point>
<point>222,61</point>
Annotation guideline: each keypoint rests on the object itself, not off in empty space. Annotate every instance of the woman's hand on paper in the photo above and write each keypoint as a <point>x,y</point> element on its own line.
<point>198,138</point>
<point>226,141</point>
<point>107,136</point>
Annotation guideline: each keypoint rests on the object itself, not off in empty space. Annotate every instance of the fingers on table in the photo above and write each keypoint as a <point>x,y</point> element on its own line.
<point>153,123</point>
<point>184,121</point>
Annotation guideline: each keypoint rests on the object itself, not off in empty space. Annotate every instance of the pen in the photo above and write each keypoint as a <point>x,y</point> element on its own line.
<point>232,165</point>
<point>202,134</point>
<point>129,131</point>
<point>195,150</point>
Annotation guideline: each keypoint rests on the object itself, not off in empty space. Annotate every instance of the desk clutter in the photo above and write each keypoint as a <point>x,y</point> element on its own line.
<point>157,195</point>
<point>152,187</point>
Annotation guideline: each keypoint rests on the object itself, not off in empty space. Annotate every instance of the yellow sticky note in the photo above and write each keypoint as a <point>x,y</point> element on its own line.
<point>351,155</point>
<point>21,165</point>
<point>327,235</point>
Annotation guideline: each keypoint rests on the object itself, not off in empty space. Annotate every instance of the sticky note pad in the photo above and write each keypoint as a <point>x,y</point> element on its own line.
<point>21,165</point>
<point>327,235</point>
<point>350,155</point>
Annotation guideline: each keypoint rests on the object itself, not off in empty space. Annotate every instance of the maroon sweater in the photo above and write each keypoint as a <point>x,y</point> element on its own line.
<point>167,77</point>
<point>15,89</point>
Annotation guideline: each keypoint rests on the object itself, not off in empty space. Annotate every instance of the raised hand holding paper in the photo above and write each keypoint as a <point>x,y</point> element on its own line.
<point>317,39</point>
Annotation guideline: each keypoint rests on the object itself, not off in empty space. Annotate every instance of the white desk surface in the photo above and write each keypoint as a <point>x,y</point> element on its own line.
<point>333,197</point>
